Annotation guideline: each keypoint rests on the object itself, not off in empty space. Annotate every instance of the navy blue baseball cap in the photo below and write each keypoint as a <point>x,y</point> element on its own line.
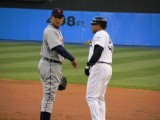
<point>57,12</point>
<point>98,20</point>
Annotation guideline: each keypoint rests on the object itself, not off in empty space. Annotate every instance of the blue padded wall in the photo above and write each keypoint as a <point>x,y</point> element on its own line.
<point>155,30</point>
<point>19,24</point>
<point>124,28</point>
<point>5,23</point>
<point>142,29</point>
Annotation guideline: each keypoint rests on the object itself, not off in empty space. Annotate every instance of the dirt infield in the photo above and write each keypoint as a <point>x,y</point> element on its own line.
<point>21,101</point>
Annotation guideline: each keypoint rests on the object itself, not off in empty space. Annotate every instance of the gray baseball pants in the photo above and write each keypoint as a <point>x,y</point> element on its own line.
<point>50,75</point>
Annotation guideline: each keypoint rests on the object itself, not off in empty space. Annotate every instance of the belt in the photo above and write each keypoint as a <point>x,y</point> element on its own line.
<point>51,60</point>
<point>105,62</point>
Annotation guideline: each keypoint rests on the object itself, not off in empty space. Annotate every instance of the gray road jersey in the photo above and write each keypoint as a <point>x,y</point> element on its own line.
<point>52,37</point>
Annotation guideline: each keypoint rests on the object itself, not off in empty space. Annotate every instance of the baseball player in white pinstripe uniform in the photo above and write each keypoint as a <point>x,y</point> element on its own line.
<point>98,69</point>
<point>50,64</point>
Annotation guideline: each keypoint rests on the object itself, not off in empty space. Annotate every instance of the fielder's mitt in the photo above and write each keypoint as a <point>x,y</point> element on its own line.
<point>63,83</point>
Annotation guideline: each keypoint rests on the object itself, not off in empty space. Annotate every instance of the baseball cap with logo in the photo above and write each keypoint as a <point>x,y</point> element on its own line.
<point>57,12</point>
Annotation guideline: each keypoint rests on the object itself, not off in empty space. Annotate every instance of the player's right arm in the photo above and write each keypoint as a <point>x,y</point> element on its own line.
<point>96,55</point>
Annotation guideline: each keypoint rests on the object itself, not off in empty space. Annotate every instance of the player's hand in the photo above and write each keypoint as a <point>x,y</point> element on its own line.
<point>86,70</point>
<point>74,64</point>
<point>88,43</point>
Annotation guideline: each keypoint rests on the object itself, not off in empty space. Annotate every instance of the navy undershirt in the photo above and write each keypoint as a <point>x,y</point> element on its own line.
<point>61,50</point>
<point>96,55</point>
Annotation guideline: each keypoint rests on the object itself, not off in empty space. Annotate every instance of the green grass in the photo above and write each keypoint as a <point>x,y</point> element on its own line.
<point>133,67</point>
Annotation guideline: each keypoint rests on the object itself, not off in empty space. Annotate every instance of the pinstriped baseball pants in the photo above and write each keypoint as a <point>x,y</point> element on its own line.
<point>50,75</point>
<point>100,75</point>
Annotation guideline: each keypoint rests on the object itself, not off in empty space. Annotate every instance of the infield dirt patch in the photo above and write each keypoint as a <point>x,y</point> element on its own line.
<point>21,101</point>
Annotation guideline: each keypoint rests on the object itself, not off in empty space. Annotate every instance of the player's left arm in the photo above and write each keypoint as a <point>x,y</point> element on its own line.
<point>63,52</point>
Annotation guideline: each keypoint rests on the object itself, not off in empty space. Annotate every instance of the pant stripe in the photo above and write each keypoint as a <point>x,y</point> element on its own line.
<point>49,89</point>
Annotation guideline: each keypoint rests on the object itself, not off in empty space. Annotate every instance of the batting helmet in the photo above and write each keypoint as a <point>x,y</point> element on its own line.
<point>100,20</point>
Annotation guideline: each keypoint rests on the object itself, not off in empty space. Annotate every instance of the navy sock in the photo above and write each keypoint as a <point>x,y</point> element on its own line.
<point>45,116</point>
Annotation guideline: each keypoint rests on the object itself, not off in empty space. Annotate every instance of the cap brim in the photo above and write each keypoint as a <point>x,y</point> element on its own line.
<point>93,23</point>
<point>58,15</point>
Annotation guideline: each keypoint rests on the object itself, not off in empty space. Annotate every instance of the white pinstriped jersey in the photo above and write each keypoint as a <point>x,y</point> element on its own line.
<point>103,39</point>
<point>100,75</point>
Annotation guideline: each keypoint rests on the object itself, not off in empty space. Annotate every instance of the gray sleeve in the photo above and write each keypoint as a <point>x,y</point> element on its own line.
<point>53,39</point>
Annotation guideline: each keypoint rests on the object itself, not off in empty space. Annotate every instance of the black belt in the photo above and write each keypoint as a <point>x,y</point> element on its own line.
<point>51,60</point>
<point>105,63</point>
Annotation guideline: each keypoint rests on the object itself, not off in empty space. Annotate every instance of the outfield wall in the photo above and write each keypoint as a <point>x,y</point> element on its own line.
<point>124,28</point>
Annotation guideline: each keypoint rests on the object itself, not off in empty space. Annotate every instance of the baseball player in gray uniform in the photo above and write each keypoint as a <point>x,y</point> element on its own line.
<point>53,55</point>
<point>98,69</point>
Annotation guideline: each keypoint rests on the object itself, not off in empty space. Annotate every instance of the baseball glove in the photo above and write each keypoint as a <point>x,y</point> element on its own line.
<point>63,83</point>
